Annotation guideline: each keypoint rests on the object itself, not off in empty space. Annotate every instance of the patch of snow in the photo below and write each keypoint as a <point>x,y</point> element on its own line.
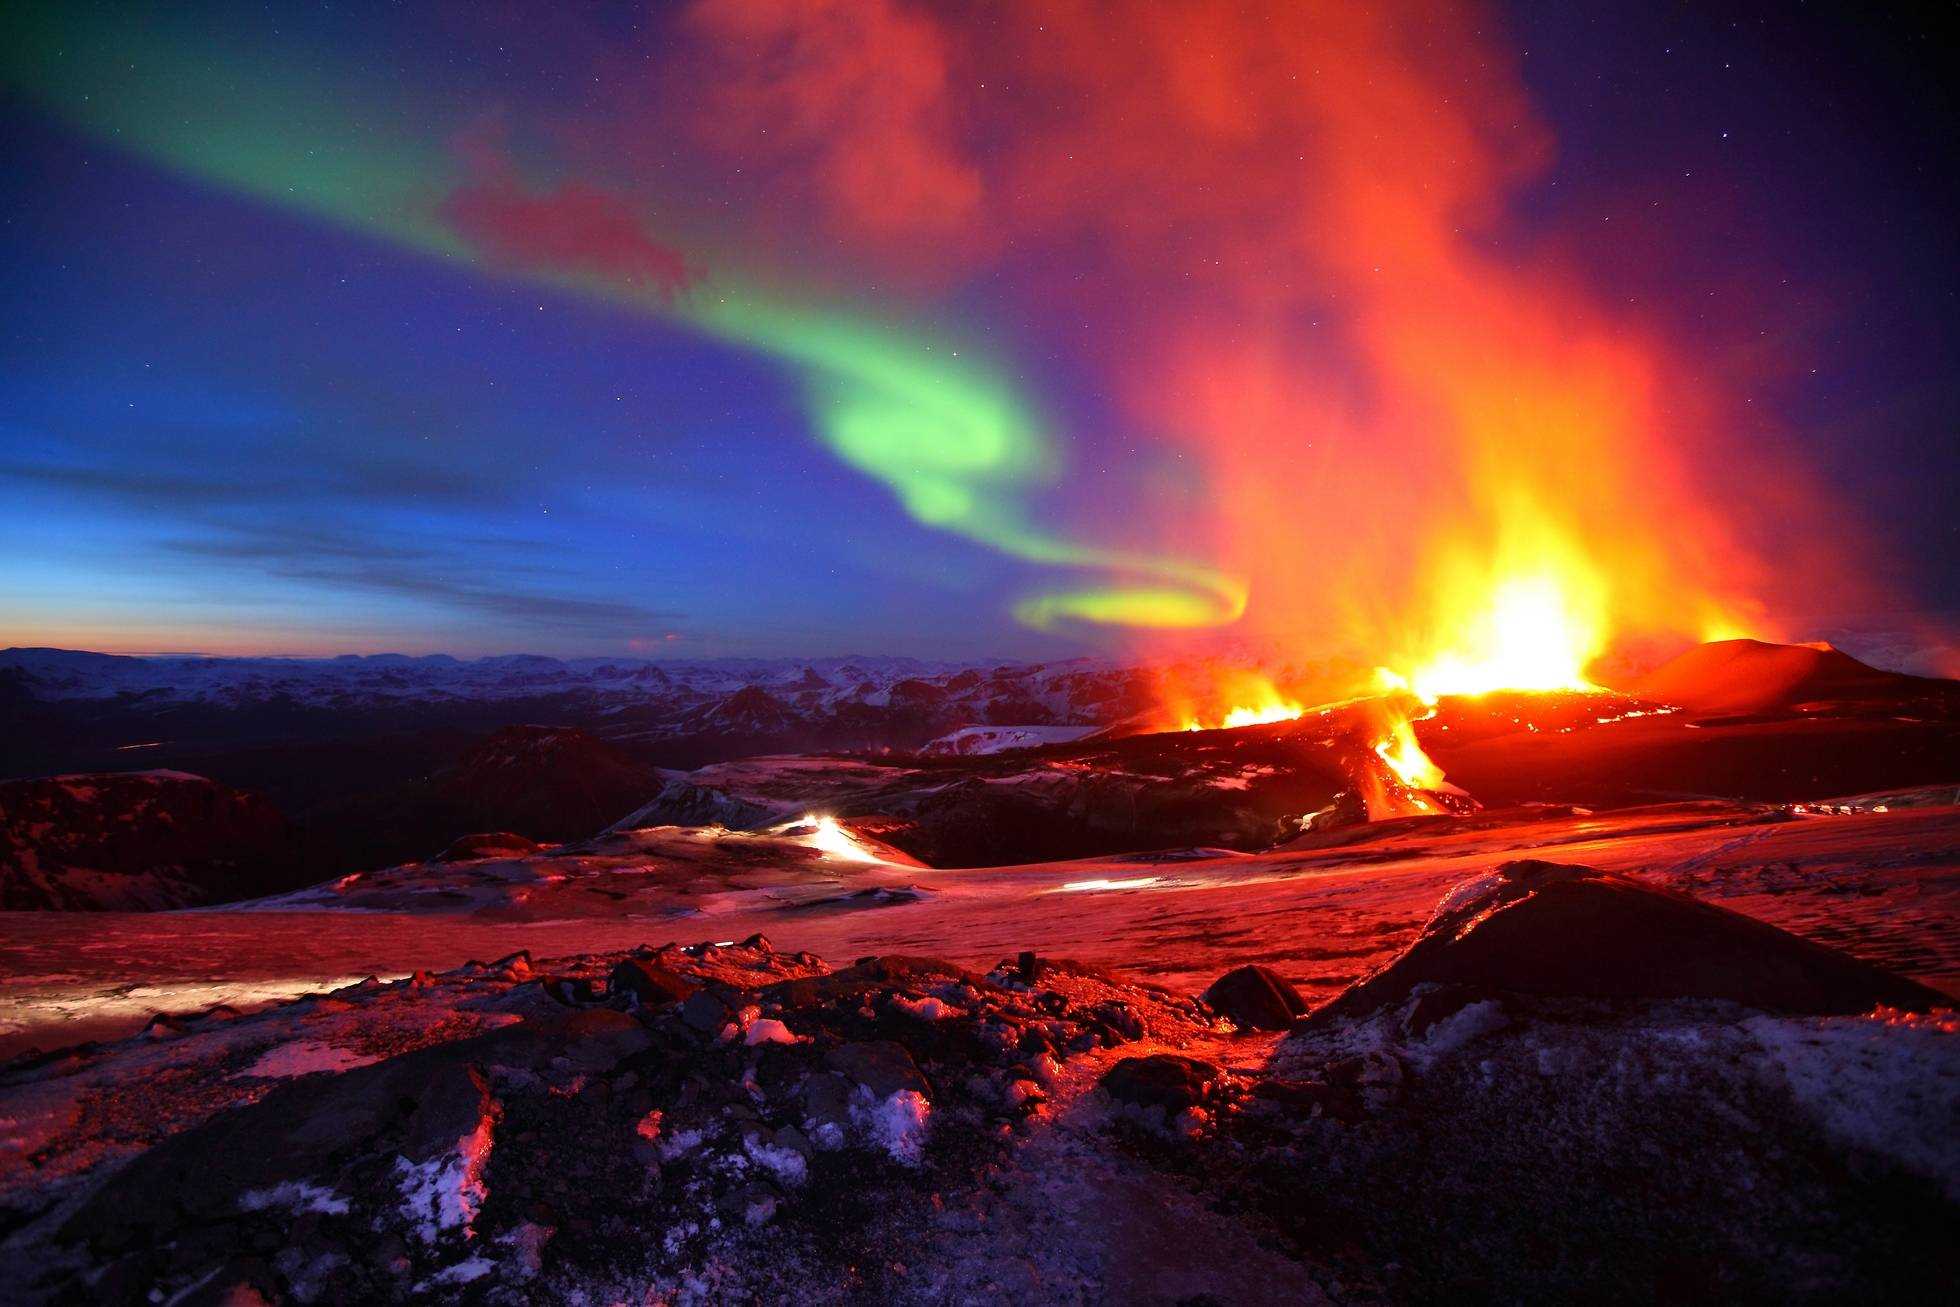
<point>1463,894</point>
<point>786,1164</point>
<point>298,1195</point>
<point>473,1268</point>
<point>974,740</point>
<point>1104,883</point>
<point>897,1123</point>
<point>1459,1028</point>
<point>446,1192</point>
<point>305,1057</point>
<point>925,1009</point>
<point>1887,1082</point>
<point>767,1030</point>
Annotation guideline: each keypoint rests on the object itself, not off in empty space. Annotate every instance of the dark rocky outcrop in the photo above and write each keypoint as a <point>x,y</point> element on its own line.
<point>785,1152</point>
<point>1552,930</point>
<point>133,841</point>
<point>650,984</point>
<point>547,783</point>
<point>682,803</point>
<point>881,1066</point>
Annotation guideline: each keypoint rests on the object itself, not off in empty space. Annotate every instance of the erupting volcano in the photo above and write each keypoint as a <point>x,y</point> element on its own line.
<point>1040,651</point>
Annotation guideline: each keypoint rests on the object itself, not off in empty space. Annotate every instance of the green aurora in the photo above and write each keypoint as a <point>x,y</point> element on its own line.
<point>958,446</point>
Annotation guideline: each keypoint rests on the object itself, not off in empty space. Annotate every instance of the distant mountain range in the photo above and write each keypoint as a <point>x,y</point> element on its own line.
<point>738,704</point>
<point>76,674</point>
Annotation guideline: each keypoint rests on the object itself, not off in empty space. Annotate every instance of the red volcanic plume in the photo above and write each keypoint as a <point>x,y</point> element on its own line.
<point>847,108</point>
<point>574,226</point>
<point>1282,238</point>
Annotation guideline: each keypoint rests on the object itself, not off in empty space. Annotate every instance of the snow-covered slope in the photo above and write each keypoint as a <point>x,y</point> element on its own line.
<point>1002,739</point>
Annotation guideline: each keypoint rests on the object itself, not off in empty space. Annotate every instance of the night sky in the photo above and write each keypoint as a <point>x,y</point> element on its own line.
<point>737,328</point>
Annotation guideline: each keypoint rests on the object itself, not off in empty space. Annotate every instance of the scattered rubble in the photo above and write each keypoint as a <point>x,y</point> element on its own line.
<point>1518,1102</point>
<point>658,1120</point>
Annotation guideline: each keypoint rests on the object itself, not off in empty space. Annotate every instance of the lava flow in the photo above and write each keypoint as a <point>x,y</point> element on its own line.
<point>1531,636</point>
<point>1534,632</point>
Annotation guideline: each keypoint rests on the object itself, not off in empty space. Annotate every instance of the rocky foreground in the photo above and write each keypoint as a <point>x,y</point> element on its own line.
<point>1570,1085</point>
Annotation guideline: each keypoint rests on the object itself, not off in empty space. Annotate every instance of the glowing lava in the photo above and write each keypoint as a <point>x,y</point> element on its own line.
<point>1405,757</point>
<point>834,840</point>
<point>1535,633</point>
<point>1279,710</point>
<point>1254,701</point>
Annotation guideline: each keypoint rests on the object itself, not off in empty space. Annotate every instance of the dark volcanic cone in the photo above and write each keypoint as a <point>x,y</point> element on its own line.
<point>1746,676</point>
<point>547,783</point>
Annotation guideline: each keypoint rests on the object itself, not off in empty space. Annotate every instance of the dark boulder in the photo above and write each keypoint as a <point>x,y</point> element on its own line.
<point>1256,998</point>
<point>306,1131</point>
<point>708,1009</point>
<point>572,991</point>
<point>1160,1080</point>
<point>1551,930</point>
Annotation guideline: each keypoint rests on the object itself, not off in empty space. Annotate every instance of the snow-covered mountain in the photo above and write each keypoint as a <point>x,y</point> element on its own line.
<point>75,674</point>
<point>751,704</point>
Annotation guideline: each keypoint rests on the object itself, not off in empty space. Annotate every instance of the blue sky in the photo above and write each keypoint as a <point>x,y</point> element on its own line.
<point>228,426</point>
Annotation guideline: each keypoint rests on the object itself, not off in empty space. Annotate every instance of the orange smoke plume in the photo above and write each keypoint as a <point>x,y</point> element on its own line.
<point>1285,238</point>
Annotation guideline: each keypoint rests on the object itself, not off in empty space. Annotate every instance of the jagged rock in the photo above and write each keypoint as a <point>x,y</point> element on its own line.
<point>1256,998</point>
<point>1164,1080</point>
<point>1555,930</point>
<point>706,1011</point>
<point>649,983</point>
<point>827,1100</point>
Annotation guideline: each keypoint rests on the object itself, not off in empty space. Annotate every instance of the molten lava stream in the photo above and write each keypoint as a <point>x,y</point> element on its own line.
<point>1410,780</point>
<point>1536,633</point>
